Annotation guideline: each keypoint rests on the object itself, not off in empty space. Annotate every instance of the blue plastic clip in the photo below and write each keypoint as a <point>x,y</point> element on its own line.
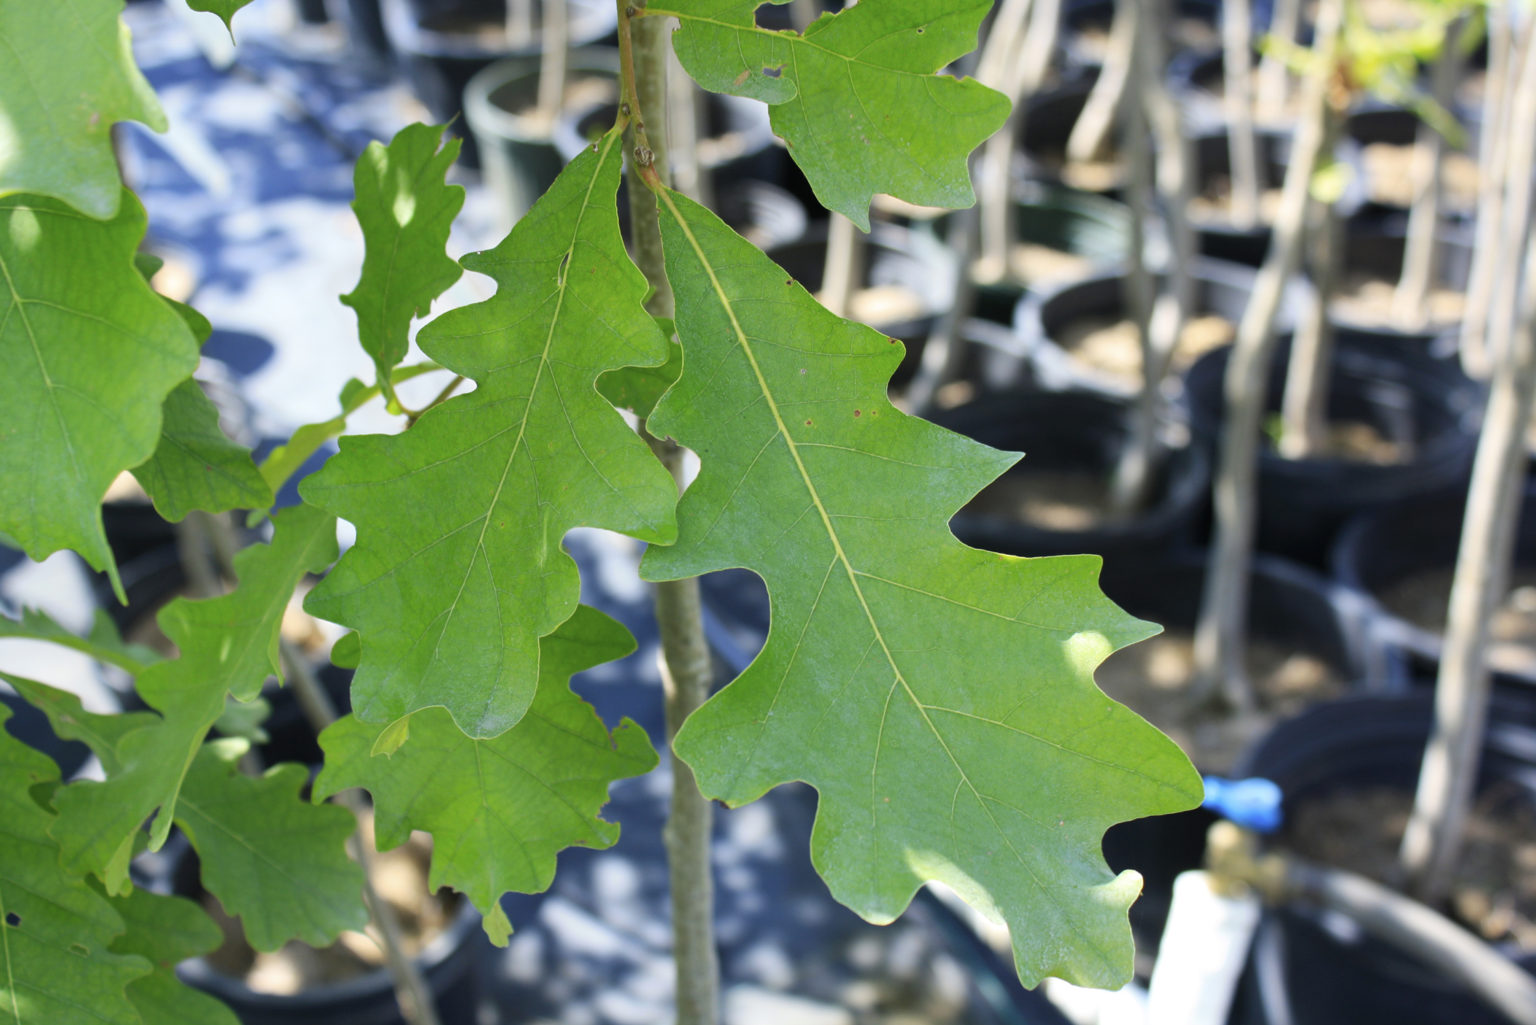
<point>1251,803</point>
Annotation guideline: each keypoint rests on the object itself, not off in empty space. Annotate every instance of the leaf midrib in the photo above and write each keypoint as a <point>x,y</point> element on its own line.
<point>562,287</point>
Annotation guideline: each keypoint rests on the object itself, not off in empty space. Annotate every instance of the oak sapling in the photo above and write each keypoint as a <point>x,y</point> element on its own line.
<point>939,698</point>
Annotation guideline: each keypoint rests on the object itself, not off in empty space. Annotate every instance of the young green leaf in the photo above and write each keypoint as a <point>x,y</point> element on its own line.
<point>458,570</point>
<point>91,352</point>
<point>103,643</point>
<point>56,966</point>
<point>939,698</point>
<point>857,98</point>
<point>273,859</point>
<point>58,109</point>
<point>69,719</point>
<point>405,208</point>
<point>228,646</point>
<point>499,810</point>
<point>167,930</point>
<point>196,466</point>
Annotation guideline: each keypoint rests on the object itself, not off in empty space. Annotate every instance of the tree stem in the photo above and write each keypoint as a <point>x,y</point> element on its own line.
<point>1433,837</point>
<point>1020,70</point>
<point>1170,307</point>
<point>1304,403</point>
<point>1222,624</point>
<point>844,269</point>
<point>686,672</point>
<point>1243,144</point>
<point>1091,134</point>
<point>553,62</point>
<point>1421,248</point>
<point>1273,82</point>
<point>1490,200</point>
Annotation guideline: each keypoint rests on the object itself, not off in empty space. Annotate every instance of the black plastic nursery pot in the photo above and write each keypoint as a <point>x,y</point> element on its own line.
<point>1401,558</point>
<point>992,360</point>
<point>1049,116</point>
<point>1196,26</point>
<point>1372,264</point>
<point>1385,136</point>
<point>1315,967</point>
<point>449,964</point>
<point>1065,233</point>
<point>1215,234</point>
<point>442,45</point>
<point>908,282</point>
<point>1044,318</point>
<point>1071,443</point>
<point>1292,610</point>
<point>1425,407</point>
<point>519,161</point>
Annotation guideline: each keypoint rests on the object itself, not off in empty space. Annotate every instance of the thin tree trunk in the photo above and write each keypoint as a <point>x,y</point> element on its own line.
<point>1515,215</point>
<point>1435,830</point>
<point>684,116</point>
<point>553,61</point>
<point>1170,308</point>
<point>1243,143</point>
<point>1421,249</point>
<point>520,23</point>
<point>1274,82</point>
<point>1304,405</point>
<point>944,351</point>
<point>1485,257</point>
<point>1091,134</point>
<point>1022,77</point>
<point>1220,629</point>
<point>687,670</point>
<point>1134,468</point>
<point>844,270</point>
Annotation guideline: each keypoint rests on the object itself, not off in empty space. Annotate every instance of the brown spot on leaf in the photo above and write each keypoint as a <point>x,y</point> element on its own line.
<point>858,413</point>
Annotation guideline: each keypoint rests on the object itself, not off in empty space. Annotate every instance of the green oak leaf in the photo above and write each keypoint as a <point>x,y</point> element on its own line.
<point>638,389</point>
<point>57,110</point>
<point>69,719</point>
<point>104,643</point>
<point>499,810</point>
<point>856,98</point>
<point>939,698</point>
<point>458,570</point>
<point>196,466</point>
<point>56,962</point>
<point>228,645</point>
<point>167,930</point>
<point>91,352</point>
<point>225,9</point>
<point>405,208</point>
<point>273,859</point>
